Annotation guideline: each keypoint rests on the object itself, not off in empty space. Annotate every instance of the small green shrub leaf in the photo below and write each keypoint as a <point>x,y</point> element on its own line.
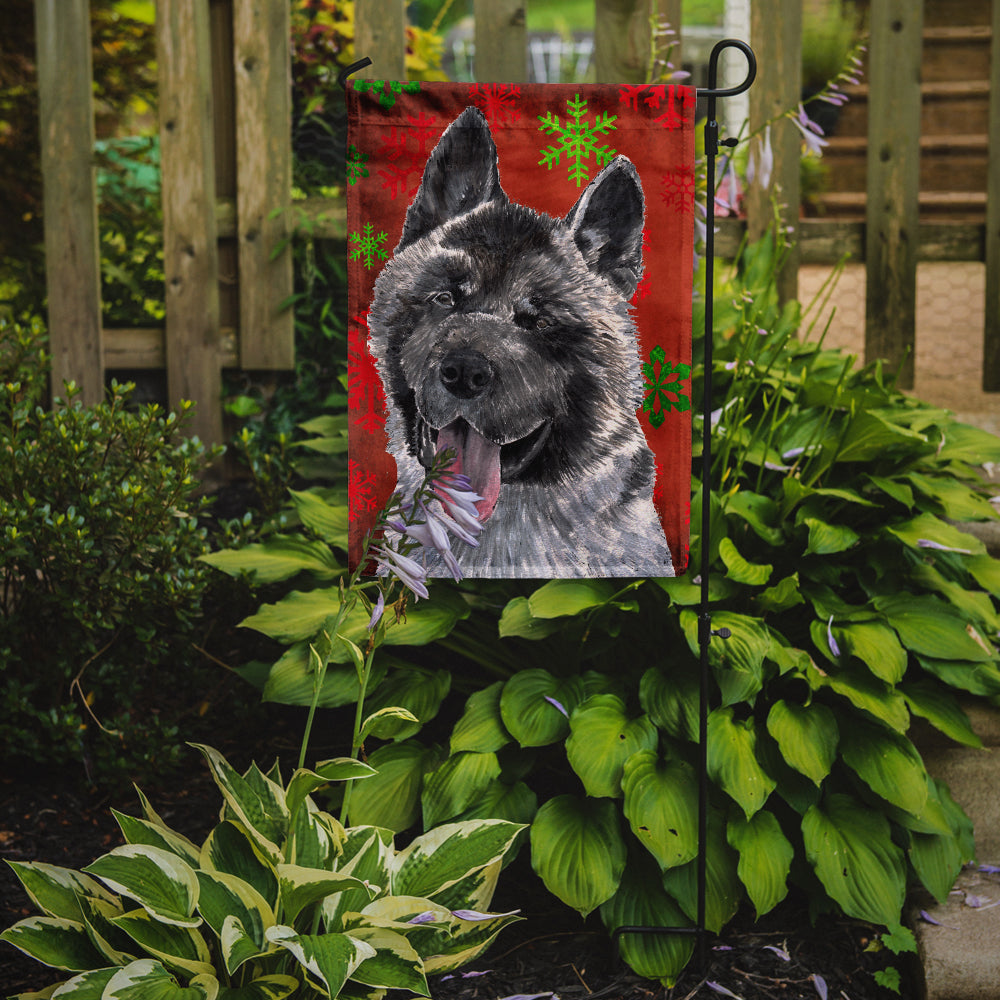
<point>481,727</point>
<point>866,692</point>
<point>55,941</point>
<point>765,858</point>
<point>783,595</point>
<point>330,959</point>
<point>732,760</point>
<point>535,706</point>
<point>601,739</point>
<point>850,848</point>
<point>225,897</point>
<point>661,807</point>
<point>807,736</point>
<point>577,850</point>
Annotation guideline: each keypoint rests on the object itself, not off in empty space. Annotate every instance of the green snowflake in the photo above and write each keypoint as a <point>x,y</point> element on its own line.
<point>368,246</point>
<point>356,161</point>
<point>387,90</point>
<point>663,385</point>
<point>577,139</point>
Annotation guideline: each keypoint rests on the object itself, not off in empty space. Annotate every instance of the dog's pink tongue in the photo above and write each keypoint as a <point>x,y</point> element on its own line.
<point>476,457</point>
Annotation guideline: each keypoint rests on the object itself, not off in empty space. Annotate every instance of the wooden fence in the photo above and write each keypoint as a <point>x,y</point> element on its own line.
<point>226,160</point>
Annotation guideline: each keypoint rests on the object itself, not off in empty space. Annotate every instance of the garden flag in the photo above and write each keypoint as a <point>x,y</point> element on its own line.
<point>520,263</point>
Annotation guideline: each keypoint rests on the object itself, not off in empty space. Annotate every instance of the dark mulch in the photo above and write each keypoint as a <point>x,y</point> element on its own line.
<point>551,951</point>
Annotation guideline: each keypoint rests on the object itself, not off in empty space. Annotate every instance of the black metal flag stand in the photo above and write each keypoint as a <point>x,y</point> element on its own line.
<point>705,631</point>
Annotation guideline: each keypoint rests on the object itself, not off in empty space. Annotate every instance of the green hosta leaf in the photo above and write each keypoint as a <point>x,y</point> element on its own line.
<point>850,847</point>
<point>141,831</point>
<point>661,798</point>
<point>54,941</point>
<point>783,595</point>
<point>516,803</point>
<point>301,887</point>
<point>180,948</point>
<point>481,728</point>
<point>937,859</point>
<point>641,901</point>
<point>230,849</point>
<point>827,539</point>
<point>578,851</point>
<point>723,889</point>
<point>732,760</point>
<point>932,628</point>
<point>893,488</point>
<point>386,723</point>
<point>261,809</point>
<point>159,881</point>
<point>738,569</point>
<point>517,620</point>
<point>975,605</point>
<point>415,689</point>
<point>986,571</point>
<point>956,500</point>
<point>765,858</point>
<point>807,736</point>
<point>528,710</point>
<point>147,979</point>
<point>330,959</point>
<point>965,443</point>
<point>928,528</point>
<point>225,897</point>
<point>395,964</point>
<point>391,798</point>
<point>304,782</point>
<point>279,558</point>
<point>292,680</point>
<point>456,784</point>
<point>870,436</point>
<point>864,691</point>
<point>941,709</point>
<point>559,598</point>
<point>738,661</point>
<point>976,678</point>
<point>888,763</point>
<point>758,511</point>
<point>602,738</point>
<point>671,700</point>
<point>876,646</point>
<point>274,987</point>
<point>329,521</point>
<point>56,891</point>
<point>438,859</point>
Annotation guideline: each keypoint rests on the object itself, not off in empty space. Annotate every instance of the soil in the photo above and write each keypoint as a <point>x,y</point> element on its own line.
<point>550,953</point>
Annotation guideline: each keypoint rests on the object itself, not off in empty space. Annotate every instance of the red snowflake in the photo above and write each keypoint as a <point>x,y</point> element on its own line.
<point>496,100</point>
<point>677,188</point>
<point>675,100</point>
<point>360,491</point>
<point>406,150</point>
<point>365,393</point>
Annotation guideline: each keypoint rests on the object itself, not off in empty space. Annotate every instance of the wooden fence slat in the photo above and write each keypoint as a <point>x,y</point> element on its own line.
<point>380,34</point>
<point>776,36</point>
<point>621,40</point>
<point>893,184</point>
<point>190,253</point>
<point>501,41</point>
<point>262,61</point>
<point>72,256</point>
<point>991,332</point>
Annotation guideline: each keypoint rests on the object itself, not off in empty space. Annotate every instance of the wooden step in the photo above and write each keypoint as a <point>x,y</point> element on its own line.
<point>958,206</point>
<point>956,53</point>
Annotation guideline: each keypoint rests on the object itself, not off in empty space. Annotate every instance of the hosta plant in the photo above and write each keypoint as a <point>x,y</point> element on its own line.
<point>279,900</point>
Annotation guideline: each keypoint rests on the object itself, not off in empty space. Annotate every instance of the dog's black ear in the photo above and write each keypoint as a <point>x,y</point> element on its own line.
<point>461,173</point>
<point>606,223</point>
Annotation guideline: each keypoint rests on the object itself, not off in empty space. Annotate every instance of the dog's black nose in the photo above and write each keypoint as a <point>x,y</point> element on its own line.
<point>465,373</point>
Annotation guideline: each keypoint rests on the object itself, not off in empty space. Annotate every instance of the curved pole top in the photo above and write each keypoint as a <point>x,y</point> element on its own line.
<point>353,68</point>
<point>712,91</point>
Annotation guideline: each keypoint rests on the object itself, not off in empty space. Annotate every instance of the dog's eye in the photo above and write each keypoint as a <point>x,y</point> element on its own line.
<point>445,299</point>
<point>542,323</point>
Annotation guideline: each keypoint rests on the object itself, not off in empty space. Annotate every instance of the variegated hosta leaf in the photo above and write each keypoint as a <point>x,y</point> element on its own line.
<point>98,915</point>
<point>732,760</point>
<point>56,891</point>
<point>535,706</point>
<point>395,964</point>
<point>300,887</point>
<point>158,880</point>
<point>225,897</point>
<point>315,838</point>
<point>256,801</point>
<point>456,784</point>
<point>481,727</point>
<point>54,941</point>
<point>661,799</point>
<point>466,941</point>
<point>642,902</point>
<point>86,986</point>
<point>578,851</point>
<point>441,857</point>
<point>602,737</point>
<point>230,849</point>
<point>850,847</point>
<point>147,979</point>
<point>475,891</point>
<point>807,736</point>
<point>367,853</point>
<point>141,831</point>
<point>329,959</point>
<point>304,782</point>
<point>765,858</point>
<point>273,987</point>
<point>417,690</point>
<point>177,947</point>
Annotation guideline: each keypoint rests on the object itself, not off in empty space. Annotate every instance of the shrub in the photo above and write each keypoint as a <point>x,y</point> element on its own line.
<point>280,899</point>
<point>99,539</point>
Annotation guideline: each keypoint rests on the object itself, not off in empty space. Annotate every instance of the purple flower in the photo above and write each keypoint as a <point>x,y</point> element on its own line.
<point>834,648</point>
<point>761,163</point>
<point>719,988</point>
<point>558,705</point>
<point>377,612</point>
<point>475,915</point>
<point>811,132</point>
<point>427,917</point>
<point>407,570</point>
<point>927,543</point>
<point>780,952</point>
<point>820,983</point>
